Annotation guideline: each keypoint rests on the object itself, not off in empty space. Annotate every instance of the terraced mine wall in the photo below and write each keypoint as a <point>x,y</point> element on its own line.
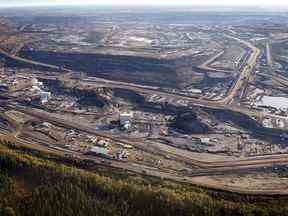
<point>147,71</point>
<point>9,62</point>
<point>171,73</point>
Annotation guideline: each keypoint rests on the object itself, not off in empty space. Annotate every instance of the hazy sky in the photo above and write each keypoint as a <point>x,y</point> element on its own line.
<point>143,2</point>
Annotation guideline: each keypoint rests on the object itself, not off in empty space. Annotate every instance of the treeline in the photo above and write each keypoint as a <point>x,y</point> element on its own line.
<point>30,185</point>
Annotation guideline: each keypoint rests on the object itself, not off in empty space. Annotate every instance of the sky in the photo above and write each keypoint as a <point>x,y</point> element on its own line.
<point>144,2</point>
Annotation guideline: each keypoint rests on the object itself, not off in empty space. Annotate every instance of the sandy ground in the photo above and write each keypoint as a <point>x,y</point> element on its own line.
<point>256,181</point>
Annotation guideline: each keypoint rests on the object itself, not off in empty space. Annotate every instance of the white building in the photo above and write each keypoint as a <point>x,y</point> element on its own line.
<point>194,91</point>
<point>35,82</point>
<point>99,150</point>
<point>44,96</point>
<point>205,140</point>
<point>125,119</point>
<point>35,89</point>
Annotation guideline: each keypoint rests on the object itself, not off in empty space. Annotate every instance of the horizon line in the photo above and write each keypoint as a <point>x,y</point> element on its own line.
<point>145,5</point>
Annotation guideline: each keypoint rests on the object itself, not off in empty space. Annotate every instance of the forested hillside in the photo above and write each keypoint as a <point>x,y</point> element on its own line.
<point>33,183</point>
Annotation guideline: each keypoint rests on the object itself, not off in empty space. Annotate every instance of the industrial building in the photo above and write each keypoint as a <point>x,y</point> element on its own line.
<point>125,120</point>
